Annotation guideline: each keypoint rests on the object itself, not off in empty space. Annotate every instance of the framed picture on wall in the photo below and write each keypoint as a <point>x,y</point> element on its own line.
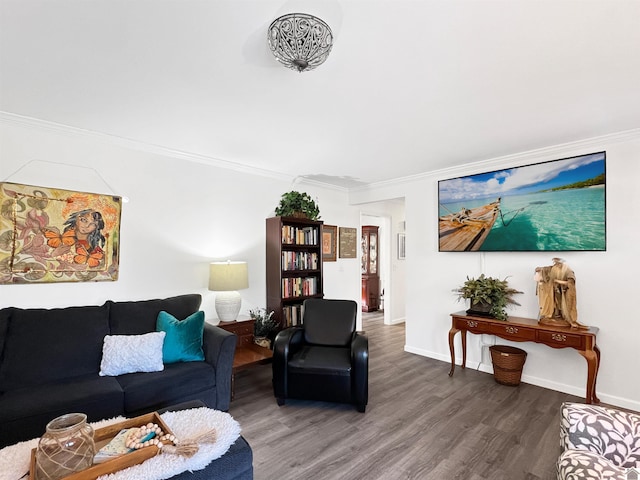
<point>348,242</point>
<point>329,243</point>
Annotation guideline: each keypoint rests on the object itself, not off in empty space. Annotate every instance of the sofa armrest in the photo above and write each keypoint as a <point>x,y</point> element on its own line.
<point>219,349</point>
<point>611,433</point>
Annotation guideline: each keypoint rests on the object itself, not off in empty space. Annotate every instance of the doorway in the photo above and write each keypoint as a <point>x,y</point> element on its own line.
<point>388,216</point>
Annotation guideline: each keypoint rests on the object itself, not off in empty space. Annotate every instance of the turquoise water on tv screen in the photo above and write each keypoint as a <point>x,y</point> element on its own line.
<point>561,220</point>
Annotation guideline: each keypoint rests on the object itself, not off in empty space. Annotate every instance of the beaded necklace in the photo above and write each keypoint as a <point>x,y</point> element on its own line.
<point>147,435</point>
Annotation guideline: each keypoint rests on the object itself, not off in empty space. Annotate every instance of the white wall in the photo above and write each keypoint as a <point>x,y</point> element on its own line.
<point>606,281</point>
<point>181,216</point>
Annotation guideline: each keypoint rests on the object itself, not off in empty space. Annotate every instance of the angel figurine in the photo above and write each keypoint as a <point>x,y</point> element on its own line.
<point>556,290</point>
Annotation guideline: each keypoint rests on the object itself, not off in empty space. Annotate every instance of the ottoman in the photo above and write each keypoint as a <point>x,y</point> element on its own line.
<point>236,464</point>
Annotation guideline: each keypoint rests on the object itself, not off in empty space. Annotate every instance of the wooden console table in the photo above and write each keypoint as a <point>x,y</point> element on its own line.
<point>520,329</point>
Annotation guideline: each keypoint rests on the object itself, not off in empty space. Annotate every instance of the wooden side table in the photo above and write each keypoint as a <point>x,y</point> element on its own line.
<point>248,354</point>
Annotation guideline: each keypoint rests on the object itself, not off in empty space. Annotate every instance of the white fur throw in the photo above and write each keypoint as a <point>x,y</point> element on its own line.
<point>185,424</point>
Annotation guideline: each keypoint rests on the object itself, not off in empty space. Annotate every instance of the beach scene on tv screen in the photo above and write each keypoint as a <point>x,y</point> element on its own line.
<point>550,206</point>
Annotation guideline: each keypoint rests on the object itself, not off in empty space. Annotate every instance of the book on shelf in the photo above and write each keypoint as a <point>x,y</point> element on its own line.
<point>299,260</point>
<point>299,235</point>
<point>292,315</point>
<point>299,287</point>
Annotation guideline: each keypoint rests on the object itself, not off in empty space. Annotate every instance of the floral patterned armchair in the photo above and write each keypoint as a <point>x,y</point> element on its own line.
<point>598,443</point>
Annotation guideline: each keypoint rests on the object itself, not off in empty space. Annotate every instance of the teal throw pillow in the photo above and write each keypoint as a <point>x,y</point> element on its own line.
<point>183,342</point>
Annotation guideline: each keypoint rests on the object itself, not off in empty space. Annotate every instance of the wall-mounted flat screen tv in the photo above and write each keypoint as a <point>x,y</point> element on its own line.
<point>551,206</point>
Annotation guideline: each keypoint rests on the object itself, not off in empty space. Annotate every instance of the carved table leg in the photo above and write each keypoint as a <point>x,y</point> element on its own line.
<point>592,358</point>
<point>452,333</point>
<point>463,333</point>
<point>595,378</point>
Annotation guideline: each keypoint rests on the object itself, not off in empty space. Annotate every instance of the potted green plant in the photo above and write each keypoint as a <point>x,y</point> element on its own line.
<point>263,327</point>
<point>488,296</point>
<point>297,204</point>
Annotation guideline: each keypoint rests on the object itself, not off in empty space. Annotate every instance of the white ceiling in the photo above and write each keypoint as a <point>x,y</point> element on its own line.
<point>409,87</point>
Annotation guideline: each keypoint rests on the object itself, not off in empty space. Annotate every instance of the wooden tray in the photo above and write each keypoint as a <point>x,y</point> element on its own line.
<point>101,437</point>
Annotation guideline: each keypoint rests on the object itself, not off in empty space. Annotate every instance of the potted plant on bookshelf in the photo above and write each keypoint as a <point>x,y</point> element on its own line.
<point>263,327</point>
<point>297,204</point>
<point>488,296</point>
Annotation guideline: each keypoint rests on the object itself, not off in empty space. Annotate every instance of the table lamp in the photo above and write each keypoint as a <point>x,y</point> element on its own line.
<point>226,278</point>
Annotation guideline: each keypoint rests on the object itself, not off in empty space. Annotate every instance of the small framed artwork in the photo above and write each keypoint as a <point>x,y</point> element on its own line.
<point>401,246</point>
<point>329,243</point>
<point>348,242</point>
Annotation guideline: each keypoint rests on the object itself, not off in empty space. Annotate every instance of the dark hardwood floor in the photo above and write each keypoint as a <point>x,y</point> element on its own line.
<point>419,424</point>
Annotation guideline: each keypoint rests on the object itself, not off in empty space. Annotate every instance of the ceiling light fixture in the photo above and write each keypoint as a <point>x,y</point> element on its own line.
<point>300,41</point>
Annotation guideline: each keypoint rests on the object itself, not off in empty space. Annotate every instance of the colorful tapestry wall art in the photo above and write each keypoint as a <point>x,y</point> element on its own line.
<point>52,235</point>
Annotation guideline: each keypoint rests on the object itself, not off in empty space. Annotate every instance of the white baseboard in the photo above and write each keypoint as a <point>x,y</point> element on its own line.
<point>540,382</point>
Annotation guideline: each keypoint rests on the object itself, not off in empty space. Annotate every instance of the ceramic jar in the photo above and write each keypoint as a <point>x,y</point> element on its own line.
<point>65,448</point>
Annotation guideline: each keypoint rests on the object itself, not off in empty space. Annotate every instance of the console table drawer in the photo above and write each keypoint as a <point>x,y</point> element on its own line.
<point>561,339</point>
<point>474,326</point>
<point>515,332</point>
<point>243,329</point>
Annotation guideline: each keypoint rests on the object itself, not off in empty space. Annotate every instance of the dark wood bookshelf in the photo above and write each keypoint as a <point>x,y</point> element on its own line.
<point>293,266</point>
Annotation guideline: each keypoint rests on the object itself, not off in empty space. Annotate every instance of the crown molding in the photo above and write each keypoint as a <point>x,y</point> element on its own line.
<point>517,159</point>
<point>552,152</point>
<point>47,126</point>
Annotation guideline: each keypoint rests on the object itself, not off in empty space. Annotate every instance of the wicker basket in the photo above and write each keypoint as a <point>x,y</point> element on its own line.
<point>507,364</point>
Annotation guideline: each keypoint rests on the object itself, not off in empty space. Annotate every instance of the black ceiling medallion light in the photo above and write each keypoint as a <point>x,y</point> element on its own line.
<point>300,41</point>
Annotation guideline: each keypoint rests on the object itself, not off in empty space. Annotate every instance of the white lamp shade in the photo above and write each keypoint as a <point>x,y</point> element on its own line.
<point>226,278</point>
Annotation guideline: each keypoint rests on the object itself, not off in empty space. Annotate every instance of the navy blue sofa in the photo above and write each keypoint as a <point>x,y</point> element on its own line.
<point>50,359</point>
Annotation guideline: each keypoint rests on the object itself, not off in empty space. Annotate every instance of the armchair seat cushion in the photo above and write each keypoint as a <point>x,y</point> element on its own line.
<point>313,359</point>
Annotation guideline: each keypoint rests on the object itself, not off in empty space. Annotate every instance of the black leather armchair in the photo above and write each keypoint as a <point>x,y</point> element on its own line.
<point>324,358</point>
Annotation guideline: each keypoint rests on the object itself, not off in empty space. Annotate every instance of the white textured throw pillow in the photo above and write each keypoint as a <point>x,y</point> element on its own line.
<point>132,353</point>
